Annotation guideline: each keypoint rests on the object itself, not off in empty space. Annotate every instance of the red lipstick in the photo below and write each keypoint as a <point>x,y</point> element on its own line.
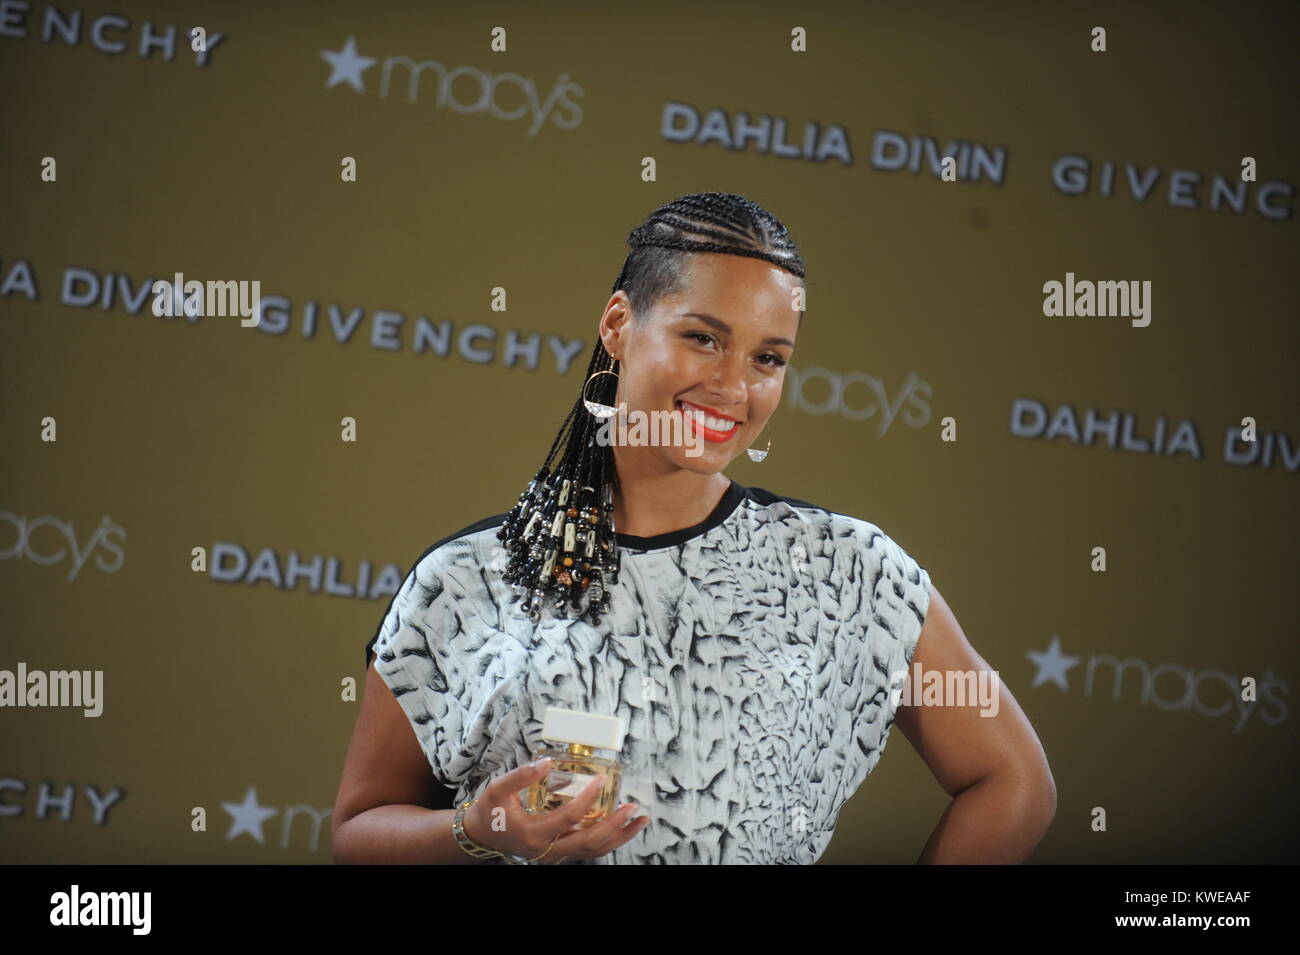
<point>709,434</point>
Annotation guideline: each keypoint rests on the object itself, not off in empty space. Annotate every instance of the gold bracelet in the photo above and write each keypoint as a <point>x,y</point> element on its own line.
<point>479,851</point>
<point>463,840</point>
<point>538,860</point>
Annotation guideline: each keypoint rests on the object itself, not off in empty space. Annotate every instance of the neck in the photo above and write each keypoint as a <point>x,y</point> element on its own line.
<point>650,504</point>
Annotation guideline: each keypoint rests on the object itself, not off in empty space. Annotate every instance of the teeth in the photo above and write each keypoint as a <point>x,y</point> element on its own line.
<point>715,424</point>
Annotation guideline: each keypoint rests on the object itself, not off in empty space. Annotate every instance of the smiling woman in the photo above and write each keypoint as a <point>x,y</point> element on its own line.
<point>745,639</point>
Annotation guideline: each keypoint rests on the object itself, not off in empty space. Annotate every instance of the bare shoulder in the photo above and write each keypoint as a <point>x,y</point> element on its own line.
<point>961,718</point>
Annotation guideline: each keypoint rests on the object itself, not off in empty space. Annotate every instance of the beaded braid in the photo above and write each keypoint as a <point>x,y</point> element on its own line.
<point>560,535</point>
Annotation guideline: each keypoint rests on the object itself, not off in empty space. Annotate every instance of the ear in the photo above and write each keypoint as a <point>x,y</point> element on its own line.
<point>616,323</point>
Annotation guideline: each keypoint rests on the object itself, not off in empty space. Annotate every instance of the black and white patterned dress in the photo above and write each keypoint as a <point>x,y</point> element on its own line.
<point>750,657</point>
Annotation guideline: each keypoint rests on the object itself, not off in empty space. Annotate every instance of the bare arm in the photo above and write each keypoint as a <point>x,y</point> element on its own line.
<point>994,767</point>
<point>388,805</point>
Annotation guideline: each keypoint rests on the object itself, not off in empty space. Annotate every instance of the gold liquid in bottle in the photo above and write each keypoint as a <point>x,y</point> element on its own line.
<point>574,765</point>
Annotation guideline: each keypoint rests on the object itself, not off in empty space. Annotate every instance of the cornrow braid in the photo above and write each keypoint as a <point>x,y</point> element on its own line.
<point>560,535</point>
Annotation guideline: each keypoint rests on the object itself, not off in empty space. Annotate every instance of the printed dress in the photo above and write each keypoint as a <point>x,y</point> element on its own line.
<point>750,657</point>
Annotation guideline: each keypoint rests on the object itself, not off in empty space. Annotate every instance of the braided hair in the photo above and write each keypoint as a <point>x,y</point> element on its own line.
<point>559,536</point>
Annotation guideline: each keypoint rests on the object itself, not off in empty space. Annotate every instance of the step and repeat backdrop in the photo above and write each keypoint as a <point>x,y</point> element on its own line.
<point>1050,347</point>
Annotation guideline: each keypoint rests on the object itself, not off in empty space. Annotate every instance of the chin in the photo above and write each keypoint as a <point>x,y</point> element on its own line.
<point>707,463</point>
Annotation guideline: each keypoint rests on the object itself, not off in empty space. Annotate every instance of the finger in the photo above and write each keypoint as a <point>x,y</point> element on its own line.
<point>631,830</point>
<point>597,839</point>
<point>506,789</point>
<point>570,815</point>
<point>618,829</point>
<point>549,778</point>
<point>555,778</point>
<point>612,823</point>
<point>506,792</point>
<point>566,847</point>
<point>600,839</point>
<point>609,833</point>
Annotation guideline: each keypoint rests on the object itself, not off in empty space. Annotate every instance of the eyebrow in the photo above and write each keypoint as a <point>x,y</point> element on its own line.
<point>722,326</point>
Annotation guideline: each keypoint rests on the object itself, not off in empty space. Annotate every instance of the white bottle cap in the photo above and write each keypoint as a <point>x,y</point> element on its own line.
<point>586,729</point>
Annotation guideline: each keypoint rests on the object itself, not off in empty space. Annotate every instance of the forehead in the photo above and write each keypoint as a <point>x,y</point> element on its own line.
<point>722,272</point>
<point>736,289</point>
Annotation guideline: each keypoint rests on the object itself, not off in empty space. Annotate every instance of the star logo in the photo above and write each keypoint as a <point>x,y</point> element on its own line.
<point>347,66</point>
<point>248,816</point>
<point>1052,665</point>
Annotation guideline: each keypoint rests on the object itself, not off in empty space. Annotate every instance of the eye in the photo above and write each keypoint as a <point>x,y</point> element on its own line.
<point>704,338</point>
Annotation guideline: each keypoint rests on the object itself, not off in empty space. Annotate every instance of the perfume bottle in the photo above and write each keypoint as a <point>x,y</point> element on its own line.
<point>572,768</point>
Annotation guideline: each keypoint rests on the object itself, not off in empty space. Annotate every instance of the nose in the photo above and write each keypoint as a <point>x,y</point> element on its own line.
<point>727,385</point>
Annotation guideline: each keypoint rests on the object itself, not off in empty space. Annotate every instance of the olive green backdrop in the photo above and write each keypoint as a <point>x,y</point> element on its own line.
<point>184,434</point>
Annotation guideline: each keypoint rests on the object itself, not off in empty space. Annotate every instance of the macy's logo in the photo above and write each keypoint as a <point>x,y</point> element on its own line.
<point>871,399</point>
<point>61,533</point>
<point>1182,685</point>
<point>347,66</point>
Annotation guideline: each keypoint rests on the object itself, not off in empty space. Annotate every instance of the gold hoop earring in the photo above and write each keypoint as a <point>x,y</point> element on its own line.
<point>758,454</point>
<point>597,409</point>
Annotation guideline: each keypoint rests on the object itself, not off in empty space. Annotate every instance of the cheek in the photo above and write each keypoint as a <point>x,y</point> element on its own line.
<point>767,399</point>
<point>672,371</point>
<point>661,376</point>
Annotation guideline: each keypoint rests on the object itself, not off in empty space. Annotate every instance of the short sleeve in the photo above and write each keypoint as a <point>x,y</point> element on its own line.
<point>902,600</point>
<point>448,667</point>
<point>897,599</point>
